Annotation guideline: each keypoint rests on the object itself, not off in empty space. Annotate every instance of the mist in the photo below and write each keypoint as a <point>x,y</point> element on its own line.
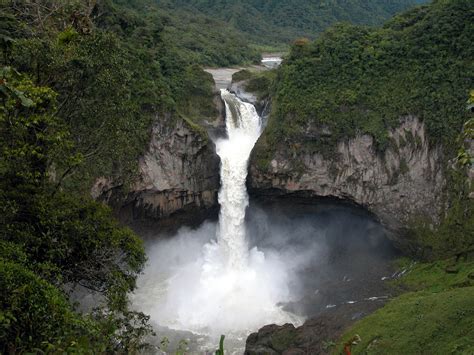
<point>303,259</point>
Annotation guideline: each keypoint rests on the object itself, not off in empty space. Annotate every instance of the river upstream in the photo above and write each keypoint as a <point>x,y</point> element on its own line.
<point>264,261</point>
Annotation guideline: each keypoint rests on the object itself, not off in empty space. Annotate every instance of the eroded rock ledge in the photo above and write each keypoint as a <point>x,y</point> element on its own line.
<point>403,183</point>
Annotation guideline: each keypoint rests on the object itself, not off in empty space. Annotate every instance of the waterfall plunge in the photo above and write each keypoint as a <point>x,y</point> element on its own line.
<point>243,129</point>
<point>223,287</point>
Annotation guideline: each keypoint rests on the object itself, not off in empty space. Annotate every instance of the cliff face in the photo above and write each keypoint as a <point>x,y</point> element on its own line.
<point>180,170</point>
<point>403,182</point>
<point>178,173</point>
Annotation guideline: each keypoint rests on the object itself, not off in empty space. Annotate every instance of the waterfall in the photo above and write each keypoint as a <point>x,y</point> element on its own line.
<point>213,285</point>
<point>239,288</point>
<point>243,127</point>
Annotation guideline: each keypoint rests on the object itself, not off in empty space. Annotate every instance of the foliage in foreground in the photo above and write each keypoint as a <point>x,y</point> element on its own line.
<point>52,244</point>
<point>436,316</point>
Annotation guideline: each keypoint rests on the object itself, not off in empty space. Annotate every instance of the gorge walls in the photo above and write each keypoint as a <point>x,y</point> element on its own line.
<point>178,172</point>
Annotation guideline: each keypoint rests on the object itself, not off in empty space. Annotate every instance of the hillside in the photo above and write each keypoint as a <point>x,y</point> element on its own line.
<point>357,79</point>
<point>189,36</point>
<point>376,85</point>
<point>115,63</point>
<point>276,22</point>
<point>196,38</point>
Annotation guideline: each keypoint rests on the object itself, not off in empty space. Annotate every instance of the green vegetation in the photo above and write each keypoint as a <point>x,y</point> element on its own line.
<point>356,79</point>
<point>260,83</point>
<point>465,156</point>
<point>52,243</point>
<point>241,75</point>
<point>455,233</point>
<point>277,23</point>
<point>436,315</point>
<point>202,39</point>
<point>257,82</point>
<point>185,35</point>
<point>116,69</point>
<point>116,66</point>
<point>436,276</point>
<point>220,351</point>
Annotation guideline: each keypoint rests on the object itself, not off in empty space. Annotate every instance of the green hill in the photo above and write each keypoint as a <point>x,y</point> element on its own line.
<point>277,22</point>
<point>356,79</point>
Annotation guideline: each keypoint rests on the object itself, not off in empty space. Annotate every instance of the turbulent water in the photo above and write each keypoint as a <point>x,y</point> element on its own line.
<point>237,282</point>
<point>223,287</point>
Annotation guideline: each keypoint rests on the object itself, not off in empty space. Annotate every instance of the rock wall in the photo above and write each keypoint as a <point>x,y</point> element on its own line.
<point>180,169</point>
<point>178,173</point>
<point>405,181</point>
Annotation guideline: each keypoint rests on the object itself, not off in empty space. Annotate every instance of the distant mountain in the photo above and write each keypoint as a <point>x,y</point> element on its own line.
<point>281,21</point>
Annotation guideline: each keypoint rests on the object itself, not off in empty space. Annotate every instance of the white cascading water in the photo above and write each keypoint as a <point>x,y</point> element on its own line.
<point>227,288</point>
<point>243,129</point>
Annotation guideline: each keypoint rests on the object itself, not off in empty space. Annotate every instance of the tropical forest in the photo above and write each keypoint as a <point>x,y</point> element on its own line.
<point>253,177</point>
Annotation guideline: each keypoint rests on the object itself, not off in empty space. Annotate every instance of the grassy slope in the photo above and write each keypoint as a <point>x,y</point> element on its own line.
<point>436,316</point>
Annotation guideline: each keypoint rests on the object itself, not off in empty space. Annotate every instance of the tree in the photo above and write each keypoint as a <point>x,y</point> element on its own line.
<point>51,241</point>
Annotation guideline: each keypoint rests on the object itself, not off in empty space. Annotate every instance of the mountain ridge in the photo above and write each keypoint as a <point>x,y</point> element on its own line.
<point>280,22</point>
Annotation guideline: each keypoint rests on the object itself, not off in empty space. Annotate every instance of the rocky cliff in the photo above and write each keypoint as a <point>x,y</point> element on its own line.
<point>179,172</point>
<point>403,182</point>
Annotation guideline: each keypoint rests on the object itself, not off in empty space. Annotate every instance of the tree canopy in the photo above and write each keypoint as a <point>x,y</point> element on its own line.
<point>355,79</point>
<point>275,22</point>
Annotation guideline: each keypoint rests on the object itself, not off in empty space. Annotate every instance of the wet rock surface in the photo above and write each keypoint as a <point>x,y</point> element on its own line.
<point>315,336</point>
